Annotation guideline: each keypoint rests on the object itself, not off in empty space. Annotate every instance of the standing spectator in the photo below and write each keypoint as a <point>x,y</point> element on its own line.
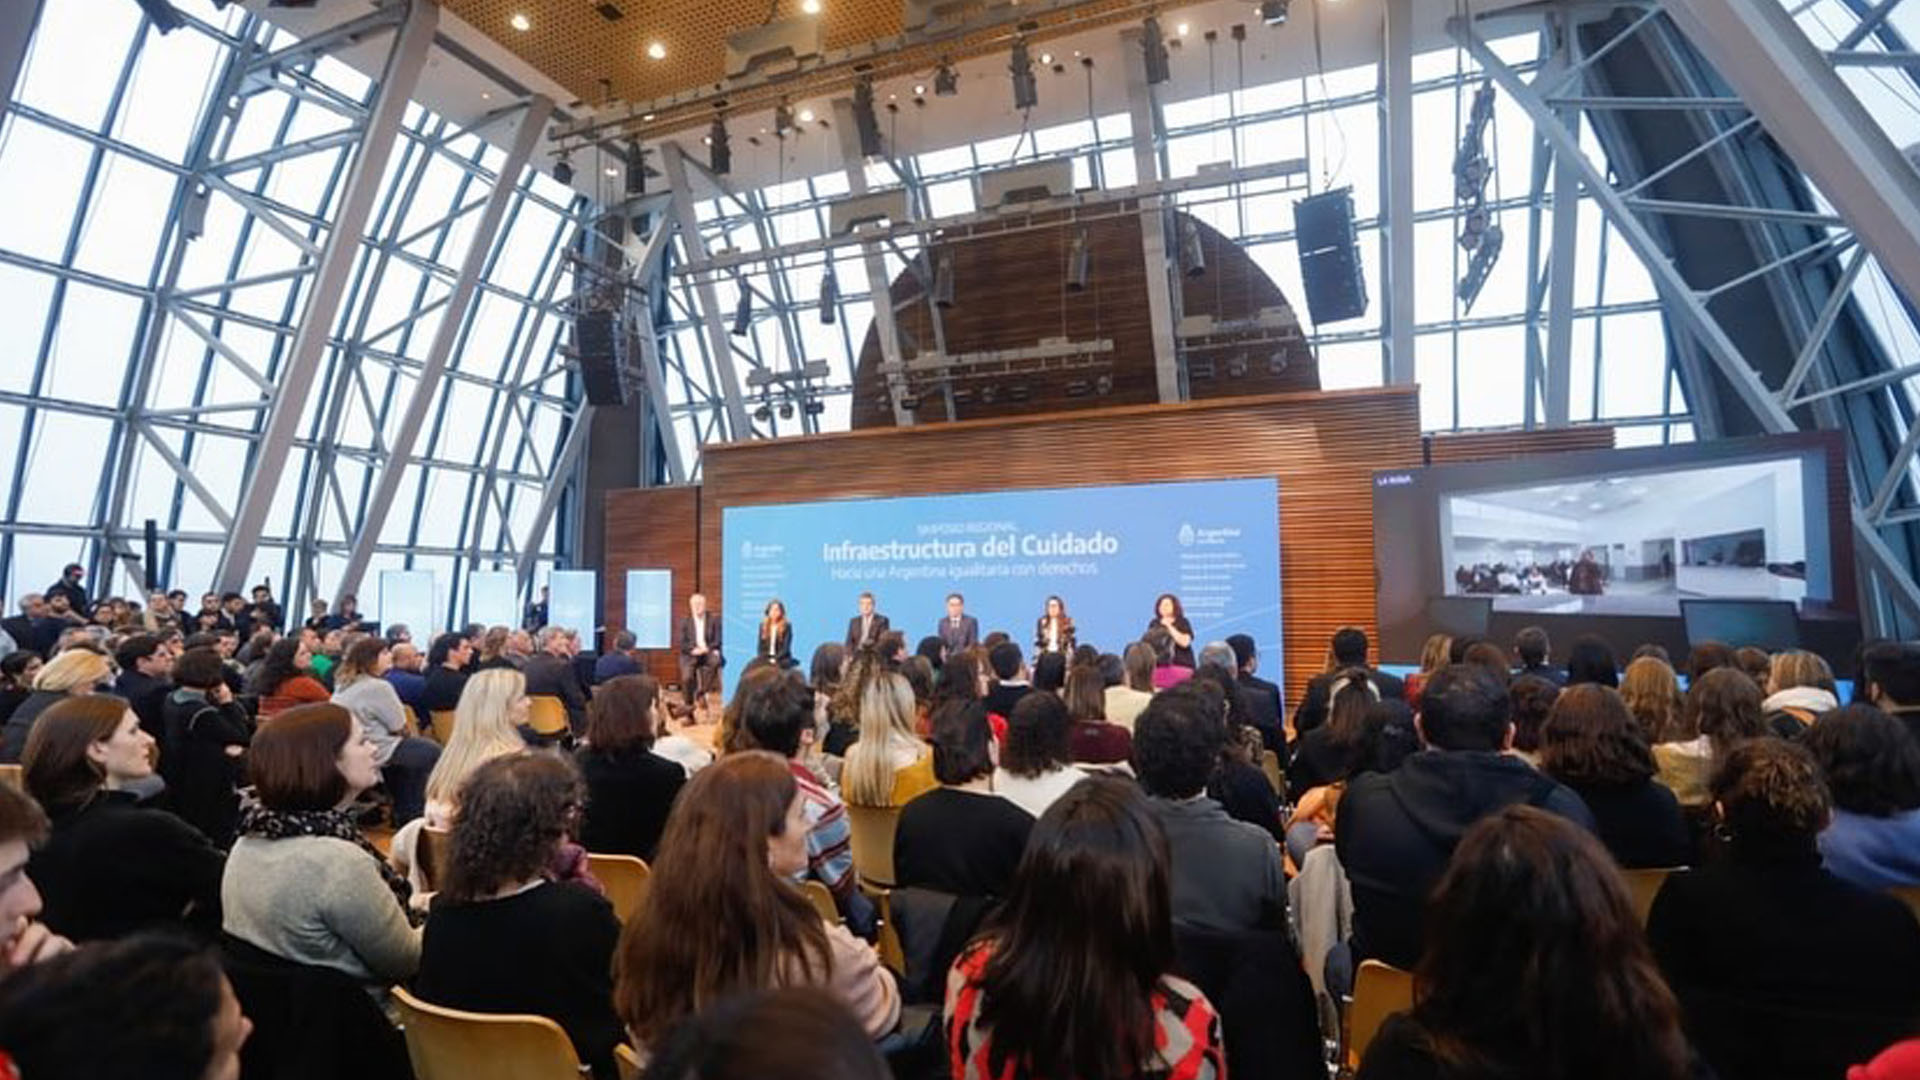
<point>204,741</point>
<point>535,616</point>
<point>961,837</point>
<point>1072,976</point>
<point>1591,745</point>
<point>550,673</point>
<point>1397,830</point>
<point>24,627</point>
<point>265,612</point>
<point>70,588</point>
<point>1782,969</point>
<point>1872,764</point>
<point>404,759</point>
<point>446,672</point>
<point>1534,966</point>
<point>286,678</point>
<point>145,665</point>
<point>112,867</point>
<point>503,937</point>
<point>630,789</point>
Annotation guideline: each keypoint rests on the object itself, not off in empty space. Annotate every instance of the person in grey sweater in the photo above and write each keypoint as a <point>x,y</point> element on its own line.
<point>301,882</point>
<point>405,761</point>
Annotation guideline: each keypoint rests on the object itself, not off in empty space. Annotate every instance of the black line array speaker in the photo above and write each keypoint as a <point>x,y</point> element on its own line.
<point>1329,256</point>
<point>595,343</point>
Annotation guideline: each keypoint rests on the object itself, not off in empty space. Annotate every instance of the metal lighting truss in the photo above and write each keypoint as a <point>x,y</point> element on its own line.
<point>326,474</point>
<point>1772,71</point>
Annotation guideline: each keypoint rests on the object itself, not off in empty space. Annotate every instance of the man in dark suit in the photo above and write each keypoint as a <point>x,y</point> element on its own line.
<point>866,628</point>
<point>958,630</point>
<point>1349,651</point>
<point>550,671</point>
<point>700,656</point>
<point>24,627</point>
<point>1263,698</point>
<point>145,678</point>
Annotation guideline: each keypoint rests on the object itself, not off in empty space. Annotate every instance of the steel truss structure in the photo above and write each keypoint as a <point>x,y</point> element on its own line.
<point>370,378</point>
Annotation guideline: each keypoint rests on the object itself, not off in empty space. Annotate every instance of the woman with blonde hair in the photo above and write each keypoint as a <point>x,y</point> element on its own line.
<point>1433,656</point>
<point>1652,692</point>
<point>493,708</point>
<point>1799,688</point>
<point>70,674</point>
<point>890,764</point>
<point>493,650</point>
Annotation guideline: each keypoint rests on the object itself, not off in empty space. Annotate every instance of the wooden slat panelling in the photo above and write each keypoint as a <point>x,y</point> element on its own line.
<point>1466,446</point>
<point>652,529</point>
<point>1322,447</point>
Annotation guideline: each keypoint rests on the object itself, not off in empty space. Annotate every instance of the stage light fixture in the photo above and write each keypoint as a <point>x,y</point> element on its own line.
<point>1079,262</point>
<point>1273,12</point>
<point>1103,385</point>
<point>829,297</point>
<point>1193,253</point>
<point>563,170</point>
<point>763,414</point>
<point>1481,265</point>
<point>520,22</point>
<point>1026,89</point>
<point>865,123</point>
<point>810,7</point>
<point>1154,49</point>
<point>816,408</point>
<point>782,119</point>
<point>1237,366</point>
<point>786,410</point>
<point>946,81</point>
<point>719,154</point>
<point>943,282</point>
<point>163,15</point>
<point>743,311</point>
<point>1019,392</point>
<point>909,402</point>
<point>1276,363</point>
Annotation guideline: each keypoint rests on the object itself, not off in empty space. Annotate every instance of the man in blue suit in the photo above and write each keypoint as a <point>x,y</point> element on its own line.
<point>958,630</point>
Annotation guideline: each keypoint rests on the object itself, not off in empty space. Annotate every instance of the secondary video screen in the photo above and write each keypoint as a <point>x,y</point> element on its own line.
<point>1612,543</point>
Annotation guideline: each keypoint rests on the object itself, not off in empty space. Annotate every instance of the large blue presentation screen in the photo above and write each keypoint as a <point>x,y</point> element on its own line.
<point>1107,552</point>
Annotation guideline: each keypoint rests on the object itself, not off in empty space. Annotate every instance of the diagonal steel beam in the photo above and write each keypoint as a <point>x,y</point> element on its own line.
<point>17,19</point>
<point>674,161</point>
<point>302,362</point>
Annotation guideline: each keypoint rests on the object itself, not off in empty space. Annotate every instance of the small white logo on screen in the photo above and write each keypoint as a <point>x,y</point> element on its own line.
<point>1186,535</point>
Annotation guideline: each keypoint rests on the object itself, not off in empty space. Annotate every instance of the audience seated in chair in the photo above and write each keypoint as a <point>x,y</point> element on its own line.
<point>150,1007</point>
<point>1071,978</point>
<point>961,838</point>
<point>1225,874</point>
<point>722,915</point>
<point>1534,966</point>
<point>889,764</point>
<point>1239,784</point>
<point>1590,744</point>
<point>302,883</point>
<point>404,760</point>
<point>27,940</point>
<point>74,673</point>
<point>1799,688</point>
<point>1010,682</point>
<point>287,678</point>
<point>1398,829</point>
<point>1125,700</point>
<point>1327,753</point>
<point>1782,969</point>
<point>791,1034</point>
<point>447,660</point>
<point>492,711</point>
<point>112,866</point>
<point>1872,765</point>
<point>1348,649</point>
<point>1722,708</point>
<point>1890,679</point>
<point>1036,765</point>
<point>550,672</point>
<point>504,938</point>
<point>630,789</point>
<point>204,745</point>
<point>1092,740</point>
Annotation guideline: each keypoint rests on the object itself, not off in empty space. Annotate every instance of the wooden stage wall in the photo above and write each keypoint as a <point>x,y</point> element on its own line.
<point>1323,447</point>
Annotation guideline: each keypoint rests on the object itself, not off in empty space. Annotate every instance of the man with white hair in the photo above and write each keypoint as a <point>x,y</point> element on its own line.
<point>550,672</point>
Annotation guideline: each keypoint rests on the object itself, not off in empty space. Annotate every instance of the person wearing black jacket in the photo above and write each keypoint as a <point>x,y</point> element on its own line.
<point>112,867</point>
<point>550,673</point>
<point>69,586</point>
<point>1349,651</point>
<point>24,628</point>
<point>446,672</point>
<point>144,665</point>
<point>630,789</point>
<point>1591,744</point>
<point>1397,830</point>
<point>1264,699</point>
<point>203,755</point>
<point>961,838</point>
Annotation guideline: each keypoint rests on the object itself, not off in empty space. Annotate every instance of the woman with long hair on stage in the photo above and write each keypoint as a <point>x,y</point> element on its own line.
<point>1053,632</point>
<point>776,635</point>
<point>1168,614</point>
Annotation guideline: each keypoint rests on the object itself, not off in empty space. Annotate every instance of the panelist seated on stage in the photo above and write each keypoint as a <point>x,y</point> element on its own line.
<point>867,628</point>
<point>776,635</point>
<point>959,630</point>
<point>1053,632</point>
<point>699,647</point>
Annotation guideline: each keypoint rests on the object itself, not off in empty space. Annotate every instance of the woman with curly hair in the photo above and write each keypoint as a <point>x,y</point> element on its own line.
<point>1652,694</point>
<point>503,937</point>
<point>1534,966</point>
<point>1723,708</point>
<point>1590,744</point>
<point>1872,765</point>
<point>1782,968</point>
<point>286,678</point>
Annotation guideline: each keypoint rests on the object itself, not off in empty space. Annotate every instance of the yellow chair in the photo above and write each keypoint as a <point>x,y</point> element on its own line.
<point>13,776</point>
<point>625,878</point>
<point>431,852</point>
<point>1908,895</point>
<point>892,954</point>
<point>873,828</point>
<point>627,1060</point>
<point>449,1044</point>
<point>1270,764</point>
<point>440,725</point>
<point>1645,885</point>
<point>822,899</point>
<point>1379,991</point>
<point>548,716</point>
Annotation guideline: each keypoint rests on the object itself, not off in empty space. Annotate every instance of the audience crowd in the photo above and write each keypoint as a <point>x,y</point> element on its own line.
<point>227,846</point>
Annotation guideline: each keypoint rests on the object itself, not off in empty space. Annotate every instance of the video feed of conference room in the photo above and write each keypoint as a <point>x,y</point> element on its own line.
<point>1631,544</point>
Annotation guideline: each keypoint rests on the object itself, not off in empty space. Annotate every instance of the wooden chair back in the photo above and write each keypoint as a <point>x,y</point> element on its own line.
<point>450,1044</point>
<point>440,725</point>
<point>14,776</point>
<point>547,716</point>
<point>822,899</point>
<point>1379,991</point>
<point>873,828</point>
<point>1908,895</point>
<point>431,853</point>
<point>625,878</point>
<point>1644,885</point>
<point>1270,764</point>
<point>627,1061</point>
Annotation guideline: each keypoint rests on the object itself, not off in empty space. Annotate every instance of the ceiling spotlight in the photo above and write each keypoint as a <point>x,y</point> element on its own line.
<point>806,116</point>
<point>1026,91</point>
<point>946,81</point>
<point>1046,58</point>
<point>656,50</point>
<point>1153,48</point>
<point>611,171</point>
<point>919,90</point>
<point>719,154</point>
<point>782,119</point>
<point>1181,29</point>
<point>520,22</point>
<point>811,7</point>
<point>646,118</point>
<point>563,170</point>
<point>1193,253</point>
<point>1272,12</point>
<point>743,311</point>
<point>829,297</point>
<point>943,282</point>
<point>1079,262</point>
